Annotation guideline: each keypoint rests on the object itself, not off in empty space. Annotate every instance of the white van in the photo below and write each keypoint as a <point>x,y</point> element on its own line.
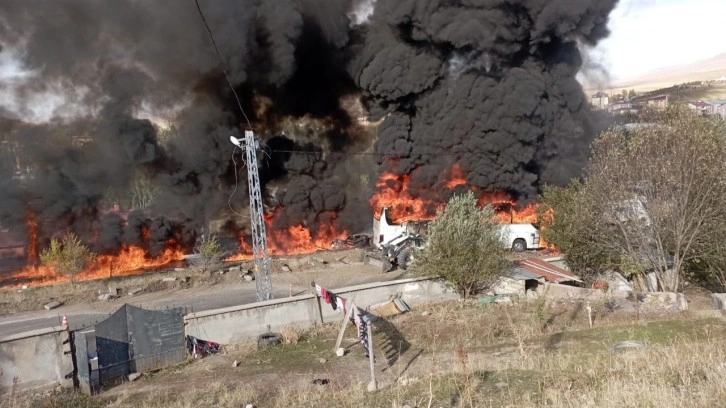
<point>520,237</point>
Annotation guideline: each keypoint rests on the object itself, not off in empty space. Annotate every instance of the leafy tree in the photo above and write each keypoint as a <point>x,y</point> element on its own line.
<point>209,252</point>
<point>463,246</point>
<point>631,93</point>
<point>652,197</point>
<point>67,255</point>
<point>567,220</point>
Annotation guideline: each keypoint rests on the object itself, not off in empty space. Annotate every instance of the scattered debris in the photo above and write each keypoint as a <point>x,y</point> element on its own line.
<point>425,313</point>
<point>134,376</point>
<point>235,364</point>
<point>407,380</point>
<point>135,291</point>
<point>322,360</point>
<point>268,339</point>
<point>113,291</point>
<point>321,381</point>
<point>718,300</point>
<point>352,241</point>
<point>52,305</point>
<point>286,268</point>
<point>24,287</point>
<point>237,268</point>
<point>105,297</point>
<point>319,260</point>
<point>626,344</point>
<point>617,282</point>
<point>179,269</point>
<point>501,384</point>
<point>340,352</point>
<point>201,348</point>
<point>390,308</point>
<point>249,278</point>
<point>249,406</point>
<point>170,279</point>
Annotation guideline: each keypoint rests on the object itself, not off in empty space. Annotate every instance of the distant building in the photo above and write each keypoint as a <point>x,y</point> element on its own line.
<point>600,100</point>
<point>621,106</point>
<point>718,107</point>
<point>658,102</point>
<point>701,107</point>
<point>710,107</point>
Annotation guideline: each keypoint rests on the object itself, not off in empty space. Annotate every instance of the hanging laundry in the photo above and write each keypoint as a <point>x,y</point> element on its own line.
<point>362,326</point>
<point>335,301</point>
<point>340,302</point>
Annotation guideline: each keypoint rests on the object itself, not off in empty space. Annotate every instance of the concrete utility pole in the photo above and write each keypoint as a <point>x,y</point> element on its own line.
<point>263,280</point>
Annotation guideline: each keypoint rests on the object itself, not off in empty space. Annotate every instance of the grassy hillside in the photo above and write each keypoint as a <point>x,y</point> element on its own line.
<point>457,354</point>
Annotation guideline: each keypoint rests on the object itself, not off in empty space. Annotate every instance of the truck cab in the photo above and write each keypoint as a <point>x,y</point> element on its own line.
<point>385,232</point>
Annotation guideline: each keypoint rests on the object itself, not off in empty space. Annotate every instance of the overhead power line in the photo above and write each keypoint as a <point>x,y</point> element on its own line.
<point>365,153</point>
<point>221,64</point>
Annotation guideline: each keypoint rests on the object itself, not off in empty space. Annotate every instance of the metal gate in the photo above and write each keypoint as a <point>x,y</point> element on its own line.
<point>132,340</point>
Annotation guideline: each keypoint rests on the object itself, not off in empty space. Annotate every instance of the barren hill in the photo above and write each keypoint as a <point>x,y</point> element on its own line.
<point>705,70</point>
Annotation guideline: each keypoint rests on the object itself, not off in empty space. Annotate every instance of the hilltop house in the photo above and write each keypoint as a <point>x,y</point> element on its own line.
<point>621,106</point>
<point>658,102</point>
<point>718,107</point>
<point>600,100</point>
<point>710,107</point>
<point>700,106</point>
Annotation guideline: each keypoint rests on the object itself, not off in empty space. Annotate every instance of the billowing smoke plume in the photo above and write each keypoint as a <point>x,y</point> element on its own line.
<point>488,84</point>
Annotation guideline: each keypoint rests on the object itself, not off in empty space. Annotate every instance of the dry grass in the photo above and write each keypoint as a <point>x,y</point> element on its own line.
<point>680,373</point>
<point>291,334</point>
<point>523,355</point>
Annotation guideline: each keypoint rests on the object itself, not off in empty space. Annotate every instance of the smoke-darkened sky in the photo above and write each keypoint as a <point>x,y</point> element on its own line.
<point>489,84</point>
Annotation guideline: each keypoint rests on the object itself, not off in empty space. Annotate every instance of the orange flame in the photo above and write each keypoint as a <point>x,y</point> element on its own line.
<point>294,240</point>
<point>393,191</point>
<point>32,224</point>
<point>130,260</point>
<point>457,177</point>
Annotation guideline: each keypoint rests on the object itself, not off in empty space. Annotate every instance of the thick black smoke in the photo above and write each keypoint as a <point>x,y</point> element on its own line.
<point>489,84</point>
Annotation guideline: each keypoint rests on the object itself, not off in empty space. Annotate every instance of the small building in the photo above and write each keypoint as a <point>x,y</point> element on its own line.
<point>658,102</point>
<point>701,107</point>
<point>717,107</point>
<point>529,274</point>
<point>600,100</point>
<point>621,106</point>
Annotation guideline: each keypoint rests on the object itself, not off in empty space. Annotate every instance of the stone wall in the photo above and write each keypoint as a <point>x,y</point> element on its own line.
<point>235,324</point>
<point>36,359</point>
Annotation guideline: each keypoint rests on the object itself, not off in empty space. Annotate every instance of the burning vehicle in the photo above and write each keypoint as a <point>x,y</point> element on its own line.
<point>397,241</point>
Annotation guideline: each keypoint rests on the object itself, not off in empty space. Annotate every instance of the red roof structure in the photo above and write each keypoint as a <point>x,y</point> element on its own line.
<point>548,271</point>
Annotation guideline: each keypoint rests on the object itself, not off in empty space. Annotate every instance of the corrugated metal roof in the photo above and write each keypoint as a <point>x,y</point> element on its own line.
<point>519,273</point>
<point>547,270</point>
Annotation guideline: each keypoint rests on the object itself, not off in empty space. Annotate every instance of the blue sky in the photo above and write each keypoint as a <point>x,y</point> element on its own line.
<point>649,34</point>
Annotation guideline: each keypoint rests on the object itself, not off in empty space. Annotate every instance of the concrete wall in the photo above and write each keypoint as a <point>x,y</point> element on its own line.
<point>624,300</point>
<point>36,358</point>
<point>719,301</point>
<point>234,324</point>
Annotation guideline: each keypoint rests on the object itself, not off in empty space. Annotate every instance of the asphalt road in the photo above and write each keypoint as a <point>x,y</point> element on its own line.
<point>84,315</point>
<point>193,300</point>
